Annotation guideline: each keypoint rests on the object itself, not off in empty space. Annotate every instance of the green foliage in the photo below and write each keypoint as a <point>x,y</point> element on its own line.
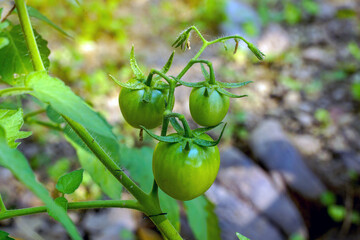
<point>337,213</point>
<point>328,198</point>
<point>241,237</point>
<point>292,13</point>
<point>5,235</point>
<point>323,116</point>
<point>15,60</point>
<point>12,121</point>
<point>36,14</point>
<point>18,165</point>
<point>68,183</point>
<point>98,172</point>
<point>297,236</point>
<point>61,167</point>
<point>202,219</point>
<point>354,49</point>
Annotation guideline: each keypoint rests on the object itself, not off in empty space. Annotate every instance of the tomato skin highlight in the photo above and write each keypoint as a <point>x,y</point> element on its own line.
<point>208,110</point>
<point>137,112</point>
<point>185,174</point>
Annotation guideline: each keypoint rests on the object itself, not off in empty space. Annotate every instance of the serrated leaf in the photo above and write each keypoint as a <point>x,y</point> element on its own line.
<point>241,237</point>
<point>5,236</point>
<point>13,160</point>
<point>168,139</point>
<point>12,121</point>
<point>202,219</point>
<point>54,92</point>
<point>36,14</point>
<point>68,183</point>
<point>229,94</point>
<point>206,143</point>
<point>233,85</point>
<point>138,161</point>
<point>98,172</point>
<point>15,59</point>
<point>135,68</point>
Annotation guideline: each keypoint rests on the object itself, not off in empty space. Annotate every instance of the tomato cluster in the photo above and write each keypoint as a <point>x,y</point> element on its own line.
<point>185,164</point>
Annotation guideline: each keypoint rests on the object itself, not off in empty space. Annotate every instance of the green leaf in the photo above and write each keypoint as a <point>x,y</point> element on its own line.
<point>12,121</point>
<point>199,131</point>
<point>36,14</point>
<point>328,198</point>
<point>241,237</point>
<point>233,85</point>
<point>337,213</point>
<point>190,84</point>
<point>229,94</point>
<point>130,84</point>
<point>68,183</point>
<point>5,236</point>
<point>98,172</point>
<point>54,92</point>
<point>53,115</point>
<point>3,42</point>
<point>19,166</point>
<point>138,161</point>
<point>137,71</point>
<point>15,59</point>
<point>202,218</point>
<point>354,49</point>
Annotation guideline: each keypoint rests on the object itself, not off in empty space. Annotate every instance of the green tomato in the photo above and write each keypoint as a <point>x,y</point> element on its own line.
<point>208,109</point>
<point>185,174</point>
<point>138,112</point>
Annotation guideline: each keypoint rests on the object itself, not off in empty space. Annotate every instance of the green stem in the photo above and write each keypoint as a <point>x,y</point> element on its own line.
<point>31,114</point>
<point>45,124</point>
<point>132,204</point>
<point>9,91</point>
<point>2,205</point>
<point>188,132</point>
<point>29,35</point>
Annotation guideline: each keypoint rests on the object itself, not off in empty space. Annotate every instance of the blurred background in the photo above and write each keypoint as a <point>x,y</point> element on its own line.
<point>291,151</point>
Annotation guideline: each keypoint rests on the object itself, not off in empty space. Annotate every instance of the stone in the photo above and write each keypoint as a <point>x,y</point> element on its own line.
<point>250,183</point>
<point>235,215</point>
<point>274,41</point>
<point>274,150</point>
<point>307,144</point>
<point>319,56</point>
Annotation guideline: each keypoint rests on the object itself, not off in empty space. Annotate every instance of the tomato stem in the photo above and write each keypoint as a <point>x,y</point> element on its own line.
<point>29,35</point>
<point>181,117</point>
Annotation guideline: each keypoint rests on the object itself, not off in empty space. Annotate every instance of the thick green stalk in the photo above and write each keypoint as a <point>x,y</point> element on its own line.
<point>132,204</point>
<point>150,205</point>
<point>29,35</point>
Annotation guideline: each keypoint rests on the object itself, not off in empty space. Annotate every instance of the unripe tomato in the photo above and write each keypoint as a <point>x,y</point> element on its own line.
<point>185,174</point>
<point>208,109</point>
<point>138,112</point>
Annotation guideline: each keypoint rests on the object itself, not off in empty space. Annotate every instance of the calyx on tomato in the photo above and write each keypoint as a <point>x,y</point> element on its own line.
<point>185,167</point>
